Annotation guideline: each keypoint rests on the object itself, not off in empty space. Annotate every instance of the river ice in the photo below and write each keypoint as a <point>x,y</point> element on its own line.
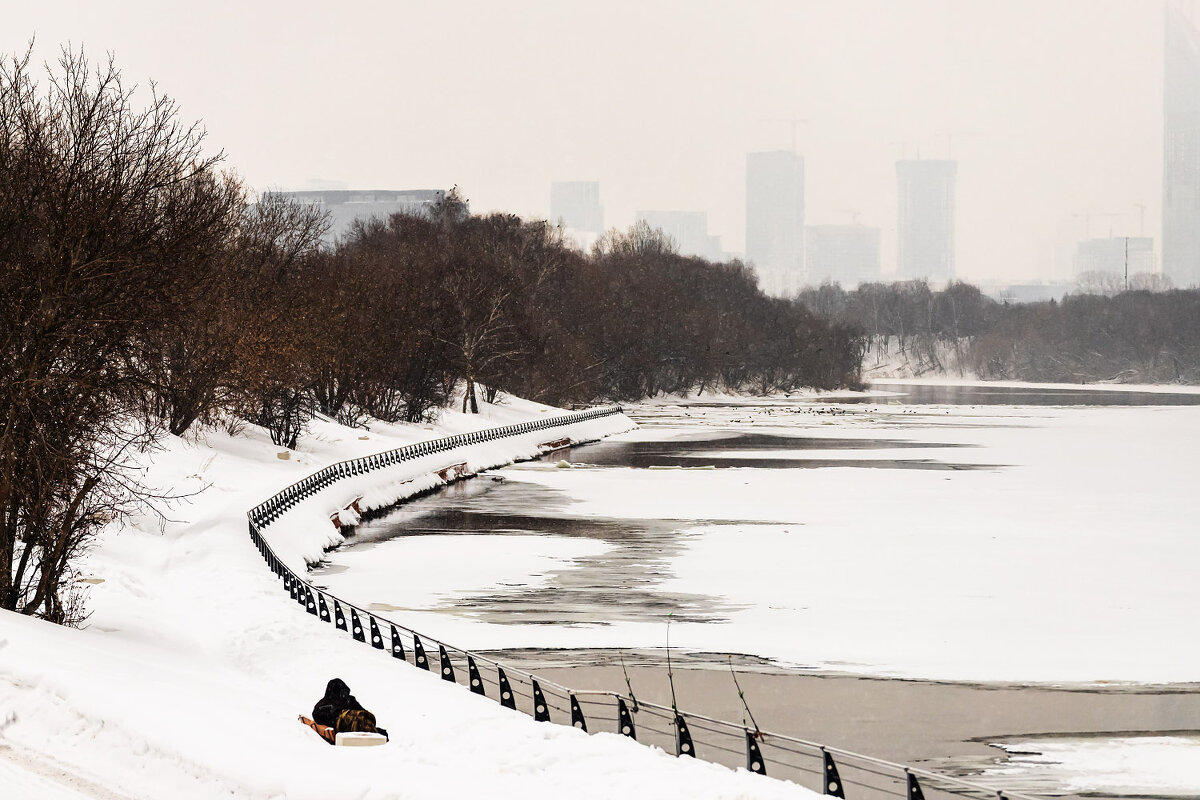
<point>994,543</point>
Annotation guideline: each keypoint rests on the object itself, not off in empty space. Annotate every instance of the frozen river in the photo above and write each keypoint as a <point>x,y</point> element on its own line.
<point>958,542</point>
<point>981,535</point>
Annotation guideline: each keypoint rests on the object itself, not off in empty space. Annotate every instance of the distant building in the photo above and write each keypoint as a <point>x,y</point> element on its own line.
<point>1113,254</point>
<point>1181,151</point>
<point>926,232</point>
<point>845,254</point>
<point>775,219</point>
<point>577,204</point>
<point>688,229</point>
<point>1034,292</point>
<point>347,205</point>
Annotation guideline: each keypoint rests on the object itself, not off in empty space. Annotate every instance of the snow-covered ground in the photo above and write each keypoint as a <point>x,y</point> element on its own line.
<point>1066,556</point>
<point>194,666</point>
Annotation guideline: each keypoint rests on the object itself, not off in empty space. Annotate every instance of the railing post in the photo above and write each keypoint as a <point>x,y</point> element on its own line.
<point>357,631</point>
<point>322,608</point>
<point>376,639</point>
<point>833,781</point>
<point>339,619</point>
<point>475,678</point>
<point>506,693</point>
<point>397,645</point>
<point>447,667</point>
<point>577,718</point>
<point>419,653</point>
<point>541,711</point>
<point>683,738</point>
<point>914,787</point>
<point>754,758</point>
<point>625,725</point>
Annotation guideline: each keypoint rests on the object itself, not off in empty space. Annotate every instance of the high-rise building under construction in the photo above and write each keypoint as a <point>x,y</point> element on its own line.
<point>775,219</point>
<point>926,224</point>
<point>1181,151</point>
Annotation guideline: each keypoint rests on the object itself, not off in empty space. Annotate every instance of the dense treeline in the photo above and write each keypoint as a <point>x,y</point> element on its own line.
<point>504,303</point>
<point>144,291</point>
<point>1137,336</point>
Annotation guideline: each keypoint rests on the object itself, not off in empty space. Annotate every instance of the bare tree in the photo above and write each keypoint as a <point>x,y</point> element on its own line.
<point>109,214</point>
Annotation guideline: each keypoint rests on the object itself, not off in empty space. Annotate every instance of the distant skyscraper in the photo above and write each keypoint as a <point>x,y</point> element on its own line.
<point>926,234</point>
<point>345,206</point>
<point>577,204</point>
<point>688,229</point>
<point>846,254</point>
<point>1181,152</point>
<point>1113,254</point>
<point>775,219</point>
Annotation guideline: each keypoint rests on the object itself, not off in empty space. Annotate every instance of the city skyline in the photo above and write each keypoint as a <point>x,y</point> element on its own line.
<point>1053,109</point>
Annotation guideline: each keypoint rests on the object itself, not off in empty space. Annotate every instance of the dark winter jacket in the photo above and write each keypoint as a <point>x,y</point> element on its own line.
<point>336,700</point>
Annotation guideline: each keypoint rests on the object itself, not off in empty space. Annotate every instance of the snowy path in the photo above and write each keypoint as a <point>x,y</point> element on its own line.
<point>24,774</point>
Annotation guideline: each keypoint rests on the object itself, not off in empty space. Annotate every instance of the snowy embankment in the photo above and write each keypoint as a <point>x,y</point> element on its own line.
<point>302,534</point>
<point>192,670</point>
<point>914,360</point>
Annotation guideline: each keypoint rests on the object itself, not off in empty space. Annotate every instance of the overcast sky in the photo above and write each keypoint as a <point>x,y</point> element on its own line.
<point>1055,106</point>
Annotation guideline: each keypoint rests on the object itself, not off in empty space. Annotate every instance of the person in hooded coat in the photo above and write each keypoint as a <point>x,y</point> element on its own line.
<point>336,700</point>
<point>338,711</point>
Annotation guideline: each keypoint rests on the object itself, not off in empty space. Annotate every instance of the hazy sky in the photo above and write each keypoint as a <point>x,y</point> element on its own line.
<point>1056,105</point>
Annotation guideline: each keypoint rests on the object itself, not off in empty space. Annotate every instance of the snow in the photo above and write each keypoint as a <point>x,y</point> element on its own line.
<point>19,780</point>
<point>1163,766</point>
<point>192,670</point>
<point>1066,557</point>
<point>465,561</point>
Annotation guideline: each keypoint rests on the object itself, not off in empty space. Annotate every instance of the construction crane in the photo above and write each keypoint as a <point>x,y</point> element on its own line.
<point>952,135</point>
<point>1087,216</point>
<point>794,122</point>
<point>1141,207</point>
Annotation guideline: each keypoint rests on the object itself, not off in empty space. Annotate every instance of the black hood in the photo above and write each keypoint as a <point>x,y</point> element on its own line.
<point>337,688</point>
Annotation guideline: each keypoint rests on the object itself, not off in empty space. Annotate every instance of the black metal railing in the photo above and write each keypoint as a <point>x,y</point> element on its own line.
<point>830,770</point>
<point>268,511</point>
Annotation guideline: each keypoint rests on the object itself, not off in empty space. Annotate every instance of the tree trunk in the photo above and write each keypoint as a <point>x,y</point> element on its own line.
<point>469,396</point>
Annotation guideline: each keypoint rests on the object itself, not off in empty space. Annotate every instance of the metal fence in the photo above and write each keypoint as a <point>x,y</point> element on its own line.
<point>829,770</point>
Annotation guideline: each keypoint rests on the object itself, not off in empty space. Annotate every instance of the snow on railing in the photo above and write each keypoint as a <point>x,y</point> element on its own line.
<point>682,732</point>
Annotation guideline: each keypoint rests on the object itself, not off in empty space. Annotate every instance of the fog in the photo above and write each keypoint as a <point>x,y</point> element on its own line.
<point>1052,107</point>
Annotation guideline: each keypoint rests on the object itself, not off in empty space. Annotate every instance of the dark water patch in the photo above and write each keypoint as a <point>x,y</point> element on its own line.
<point>623,583</point>
<point>697,451</point>
<point>568,603</point>
<point>688,461</point>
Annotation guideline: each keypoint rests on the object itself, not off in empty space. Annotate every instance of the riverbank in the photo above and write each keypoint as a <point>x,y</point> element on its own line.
<point>194,665</point>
